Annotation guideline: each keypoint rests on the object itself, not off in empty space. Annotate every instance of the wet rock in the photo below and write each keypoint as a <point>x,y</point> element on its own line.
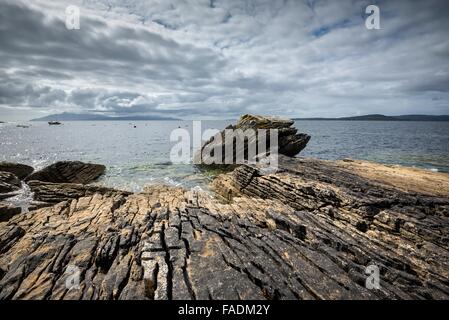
<point>21,171</point>
<point>9,194</point>
<point>7,211</point>
<point>69,172</point>
<point>9,182</point>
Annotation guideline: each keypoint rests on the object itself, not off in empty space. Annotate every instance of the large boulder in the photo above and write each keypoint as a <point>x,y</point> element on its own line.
<point>290,142</point>
<point>18,169</point>
<point>69,172</point>
<point>9,182</point>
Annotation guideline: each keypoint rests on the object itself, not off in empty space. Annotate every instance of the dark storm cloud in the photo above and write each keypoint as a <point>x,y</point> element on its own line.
<point>28,36</point>
<point>223,58</point>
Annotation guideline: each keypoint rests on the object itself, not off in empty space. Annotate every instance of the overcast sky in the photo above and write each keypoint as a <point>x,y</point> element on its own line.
<point>219,58</point>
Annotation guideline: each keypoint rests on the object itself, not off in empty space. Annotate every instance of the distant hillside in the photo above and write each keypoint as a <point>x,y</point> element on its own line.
<point>96,117</point>
<point>381,117</point>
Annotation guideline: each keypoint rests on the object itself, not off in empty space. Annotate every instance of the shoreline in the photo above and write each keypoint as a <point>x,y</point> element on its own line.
<point>404,178</point>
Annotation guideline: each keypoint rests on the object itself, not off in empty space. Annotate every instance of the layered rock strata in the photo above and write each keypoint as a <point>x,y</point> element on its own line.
<point>308,232</point>
<point>289,141</point>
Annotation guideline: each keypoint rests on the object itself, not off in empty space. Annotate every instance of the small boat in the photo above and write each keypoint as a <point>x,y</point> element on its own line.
<point>54,123</point>
<point>22,126</point>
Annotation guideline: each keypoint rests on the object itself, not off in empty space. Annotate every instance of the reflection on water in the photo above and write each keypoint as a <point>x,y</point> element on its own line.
<point>138,156</point>
<point>419,144</point>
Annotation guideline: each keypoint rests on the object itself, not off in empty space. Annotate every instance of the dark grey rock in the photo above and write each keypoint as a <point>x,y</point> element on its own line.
<point>21,171</point>
<point>9,182</point>
<point>7,211</point>
<point>69,172</point>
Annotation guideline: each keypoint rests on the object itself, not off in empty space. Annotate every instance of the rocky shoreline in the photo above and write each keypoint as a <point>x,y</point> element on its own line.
<point>307,231</point>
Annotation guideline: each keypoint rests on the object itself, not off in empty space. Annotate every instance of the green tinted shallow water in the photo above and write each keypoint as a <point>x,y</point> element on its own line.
<point>135,157</point>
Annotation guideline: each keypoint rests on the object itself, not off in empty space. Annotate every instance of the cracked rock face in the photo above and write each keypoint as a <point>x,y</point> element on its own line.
<point>363,213</point>
<point>52,193</point>
<point>168,243</point>
<point>308,232</point>
<point>68,172</point>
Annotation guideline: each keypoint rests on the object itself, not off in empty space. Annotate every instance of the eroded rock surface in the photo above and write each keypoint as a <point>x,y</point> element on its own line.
<point>398,224</point>
<point>21,171</point>
<point>290,142</point>
<point>7,211</point>
<point>57,192</point>
<point>9,182</point>
<point>69,172</point>
<point>306,233</point>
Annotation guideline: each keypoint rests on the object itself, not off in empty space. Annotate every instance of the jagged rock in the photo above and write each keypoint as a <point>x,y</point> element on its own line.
<point>295,234</point>
<point>21,171</point>
<point>290,143</point>
<point>7,211</point>
<point>394,216</point>
<point>9,182</point>
<point>47,192</point>
<point>69,172</point>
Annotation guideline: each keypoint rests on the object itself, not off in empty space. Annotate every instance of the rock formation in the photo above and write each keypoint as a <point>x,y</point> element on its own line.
<point>68,172</point>
<point>9,187</point>
<point>9,182</point>
<point>47,192</point>
<point>290,143</point>
<point>64,180</point>
<point>20,170</point>
<point>306,232</point>
<point>7,211</point>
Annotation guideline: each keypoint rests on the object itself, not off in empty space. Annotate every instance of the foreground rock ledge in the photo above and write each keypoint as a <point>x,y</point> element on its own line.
<point>305,233</point>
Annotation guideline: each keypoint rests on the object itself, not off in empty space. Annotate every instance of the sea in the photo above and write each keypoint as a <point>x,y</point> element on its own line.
<point>138,153</point>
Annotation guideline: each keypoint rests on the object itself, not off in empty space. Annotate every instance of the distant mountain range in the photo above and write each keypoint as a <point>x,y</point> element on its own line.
<point>66,116</point>
<point>381,117</point>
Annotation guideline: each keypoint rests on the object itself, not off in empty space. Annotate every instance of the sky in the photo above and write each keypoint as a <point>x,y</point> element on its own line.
<point>219,59</point>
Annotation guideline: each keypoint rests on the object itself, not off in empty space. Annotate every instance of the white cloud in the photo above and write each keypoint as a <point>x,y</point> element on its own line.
<point>213,59</point>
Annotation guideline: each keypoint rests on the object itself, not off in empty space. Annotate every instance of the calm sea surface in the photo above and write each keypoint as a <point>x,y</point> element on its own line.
<point>138,156</point>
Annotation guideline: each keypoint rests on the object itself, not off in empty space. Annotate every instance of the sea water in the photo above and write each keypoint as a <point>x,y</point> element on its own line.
<point>138,153</point>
